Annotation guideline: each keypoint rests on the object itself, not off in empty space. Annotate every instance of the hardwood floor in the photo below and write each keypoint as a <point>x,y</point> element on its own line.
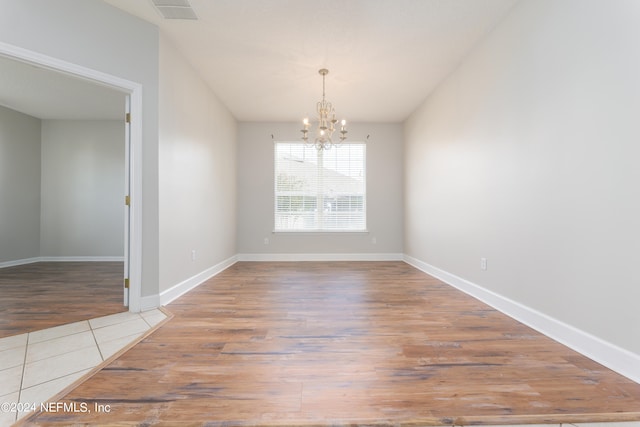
<point>46,294</point>
<point>348,343</point>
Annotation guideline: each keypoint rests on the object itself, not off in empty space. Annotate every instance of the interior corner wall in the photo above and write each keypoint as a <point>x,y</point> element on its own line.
<point>111,41</point>
<point>256,192</point>
<point>19,186</point>
<point>197,174</point>
<point>527,156</point>
<point>83,168</point>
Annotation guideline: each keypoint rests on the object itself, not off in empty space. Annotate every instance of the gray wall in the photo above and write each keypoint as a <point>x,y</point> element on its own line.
<point>19,186</point>
<point>256,192</point>
<point>111,41</point>
<point>528,155</point>
<point>61,186</point>
<point>197,173</point>
<point>82,204</point>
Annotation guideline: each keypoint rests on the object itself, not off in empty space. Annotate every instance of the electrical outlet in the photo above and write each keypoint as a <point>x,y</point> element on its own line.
<point>266,240</point>
<point>374,240</point>
<point>483,263</point>
<point>193,255</point>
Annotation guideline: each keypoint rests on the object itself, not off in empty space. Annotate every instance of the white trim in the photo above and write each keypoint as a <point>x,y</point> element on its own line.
<point>135,204</point>
<point>183,287</point>
<point>74,70</point>
<point>61,259</point>
<point>149,302</point>
<point>321,257</point>
<point>80,259</point>
<point>316,232</point>
<point>135,93</point>
<point>610,355</point>
<point>17,262</point>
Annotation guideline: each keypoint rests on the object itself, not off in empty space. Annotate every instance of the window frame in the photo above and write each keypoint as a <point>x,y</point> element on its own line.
<point>318,194</point>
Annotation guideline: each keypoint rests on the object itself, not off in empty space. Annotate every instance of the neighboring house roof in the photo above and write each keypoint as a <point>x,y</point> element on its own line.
<point>306,172</point>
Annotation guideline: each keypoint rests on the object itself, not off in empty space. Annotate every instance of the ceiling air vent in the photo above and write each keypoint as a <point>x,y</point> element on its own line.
<point>174,9</point>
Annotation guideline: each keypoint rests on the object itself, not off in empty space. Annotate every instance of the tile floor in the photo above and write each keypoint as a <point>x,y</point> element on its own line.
<point>36,366</point>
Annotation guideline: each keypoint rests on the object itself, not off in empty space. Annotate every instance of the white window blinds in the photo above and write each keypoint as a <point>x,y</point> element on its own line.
<point>320,190</point>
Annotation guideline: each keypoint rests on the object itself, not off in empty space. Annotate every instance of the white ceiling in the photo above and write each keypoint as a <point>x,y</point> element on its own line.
<point>47,94</point>
<point>261,57</point>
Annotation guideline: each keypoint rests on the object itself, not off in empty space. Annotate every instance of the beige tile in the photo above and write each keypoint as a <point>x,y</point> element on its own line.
<point>9,397</point>
<point>45,391</point>
<point>113,319</point>
<point>12,357</point>
<point>12,342</point>
<point>109,348</point>
<point>8,418</point>
<point>152,312</point>
<point>27,409</point>
<point>155,318</point>
<point>59,356</point>
<point>58,331</point>
<point>110,333</point>
<point>56,346</point>
<point>10,380</point>
<point>59,366</point>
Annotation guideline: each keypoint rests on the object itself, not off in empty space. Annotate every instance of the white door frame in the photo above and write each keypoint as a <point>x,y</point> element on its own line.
<point>127,192</point>
<point>134,167</point>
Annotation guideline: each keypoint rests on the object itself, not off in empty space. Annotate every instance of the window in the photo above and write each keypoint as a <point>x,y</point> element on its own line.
<point>320,190</point>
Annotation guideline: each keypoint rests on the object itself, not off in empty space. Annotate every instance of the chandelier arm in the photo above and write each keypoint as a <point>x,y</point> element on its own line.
<point>326,122</point>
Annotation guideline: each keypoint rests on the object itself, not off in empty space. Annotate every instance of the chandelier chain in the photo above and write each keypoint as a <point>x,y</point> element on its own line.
<point>326,122</point>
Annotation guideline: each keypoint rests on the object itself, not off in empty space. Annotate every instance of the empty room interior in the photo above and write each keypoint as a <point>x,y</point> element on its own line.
<point>304,213</point>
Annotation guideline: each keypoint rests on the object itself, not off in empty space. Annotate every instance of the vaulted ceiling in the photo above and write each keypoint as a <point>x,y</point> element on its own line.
<point>261,57</point>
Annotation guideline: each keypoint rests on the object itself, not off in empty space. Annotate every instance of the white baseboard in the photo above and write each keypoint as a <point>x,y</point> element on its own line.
<point>610,355</point>
<point>149,302</point>
<point>183,287</point>
<point>81,259</point>
<point>320,257</point>
<point>615,358</point>
<point>61,259</point>
<point>17,262</point>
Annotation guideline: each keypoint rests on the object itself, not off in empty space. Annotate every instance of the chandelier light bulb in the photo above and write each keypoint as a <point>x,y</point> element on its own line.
<point>326,122</point>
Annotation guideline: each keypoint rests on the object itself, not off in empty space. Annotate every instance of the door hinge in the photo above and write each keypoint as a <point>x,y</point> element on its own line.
<point>127,118</point>
<point>127,200</point>
<point>126,283</point>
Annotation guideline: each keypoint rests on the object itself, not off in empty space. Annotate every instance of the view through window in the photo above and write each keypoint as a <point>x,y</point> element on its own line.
<point>320,190</point>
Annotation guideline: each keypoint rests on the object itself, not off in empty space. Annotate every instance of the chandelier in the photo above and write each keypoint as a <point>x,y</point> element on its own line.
<point>326,123</point>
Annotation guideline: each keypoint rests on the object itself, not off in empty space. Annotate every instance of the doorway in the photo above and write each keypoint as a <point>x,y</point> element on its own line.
<point>81,84</point>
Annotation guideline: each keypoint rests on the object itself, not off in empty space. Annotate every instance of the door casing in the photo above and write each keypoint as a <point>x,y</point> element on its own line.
<point>133,165</point>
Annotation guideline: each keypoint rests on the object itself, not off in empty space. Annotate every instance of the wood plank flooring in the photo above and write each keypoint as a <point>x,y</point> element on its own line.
<point>47,294</point>
<point>345,343</point>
